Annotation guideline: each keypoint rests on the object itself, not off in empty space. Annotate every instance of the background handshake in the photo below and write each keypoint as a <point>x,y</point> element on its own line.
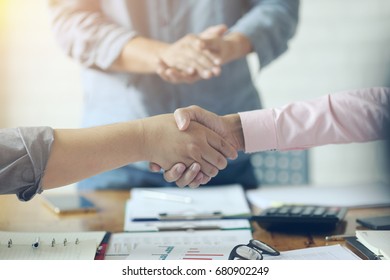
<point>209,141</point>
<point>196,57</point>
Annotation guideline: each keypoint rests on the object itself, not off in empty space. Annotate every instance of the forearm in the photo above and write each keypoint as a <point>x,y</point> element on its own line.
<point>235,134</point>
<point>237,46</point>
<point>80,153</point>
<point>139,55</point>
<point>86,34</point>
<point>269,25</point>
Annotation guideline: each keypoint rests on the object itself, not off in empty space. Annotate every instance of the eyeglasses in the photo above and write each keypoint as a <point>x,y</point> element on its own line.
<point>254,250</point>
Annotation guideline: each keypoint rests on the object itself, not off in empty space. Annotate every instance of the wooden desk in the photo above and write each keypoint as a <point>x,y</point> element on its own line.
<point>34,216</point>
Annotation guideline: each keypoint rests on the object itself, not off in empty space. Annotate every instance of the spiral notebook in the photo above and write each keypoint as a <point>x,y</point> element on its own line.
<point>49,245</point>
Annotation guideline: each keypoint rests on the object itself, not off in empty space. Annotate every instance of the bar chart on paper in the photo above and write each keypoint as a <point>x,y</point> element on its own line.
<point>180,253</point>
<point>176,245</point>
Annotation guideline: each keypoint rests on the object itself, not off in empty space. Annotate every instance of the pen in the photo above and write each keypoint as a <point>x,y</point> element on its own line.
<point>190,216</point>
<point>188,228</point>
<point>338,237</point>
<point>166,196</point>
<point>101,250</point>
<point>36,243</point>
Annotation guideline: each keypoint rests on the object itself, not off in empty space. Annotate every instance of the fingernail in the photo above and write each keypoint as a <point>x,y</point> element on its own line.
<point>194,167</point>
<point>206,74</point>
<point>216,70</point>
<point>234,156</point>
<point>180,123</point>
<point>180,169</point>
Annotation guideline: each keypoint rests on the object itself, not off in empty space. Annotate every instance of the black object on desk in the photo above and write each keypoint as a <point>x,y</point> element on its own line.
<point>300,217</point>
<point>378,223</point>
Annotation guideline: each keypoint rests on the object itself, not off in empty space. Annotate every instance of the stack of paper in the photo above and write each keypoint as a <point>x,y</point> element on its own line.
<point>377,241</point>
<point>170,208</point>
<point>334,252</point>
<point>176,245</point>
<point>170,223</point>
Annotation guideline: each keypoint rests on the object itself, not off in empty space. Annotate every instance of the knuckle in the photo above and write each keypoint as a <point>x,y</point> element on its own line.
<point>194,108</point>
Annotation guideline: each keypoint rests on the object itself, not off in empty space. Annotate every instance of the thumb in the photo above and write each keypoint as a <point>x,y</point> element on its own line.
<point>184,116</point>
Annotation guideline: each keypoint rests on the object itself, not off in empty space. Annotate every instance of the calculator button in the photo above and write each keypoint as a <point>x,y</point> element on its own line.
<point>332,212</point>
<point>284,210</point>
<point>272,211</point>
<point>296,210</point>
<point>308,211</point>
<point>320,211</point>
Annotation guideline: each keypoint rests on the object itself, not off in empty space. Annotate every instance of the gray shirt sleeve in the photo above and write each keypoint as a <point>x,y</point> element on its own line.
<point>269,25</point>
<point>24,153</point>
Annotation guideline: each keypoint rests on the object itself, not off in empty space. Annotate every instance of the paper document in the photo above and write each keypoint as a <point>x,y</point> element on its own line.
<point>175,244</point>
<point>49,245</point>
<point>180,252</point>
<point>377,241</point>
<point>153,226</point>
<point>341,196</point>
<point>173,203</point>
<point>334,252</point>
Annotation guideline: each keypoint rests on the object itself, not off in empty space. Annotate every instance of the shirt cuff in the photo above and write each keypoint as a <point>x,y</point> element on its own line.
<point>29,192</point>
<point>37,142</point>
<point>259,130</point>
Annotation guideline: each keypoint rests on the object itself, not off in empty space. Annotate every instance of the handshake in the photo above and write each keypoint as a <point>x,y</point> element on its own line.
<point>192,145</point>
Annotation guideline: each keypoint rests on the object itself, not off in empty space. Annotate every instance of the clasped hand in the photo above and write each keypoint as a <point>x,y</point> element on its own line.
<point>194,57</point>
<point>227,132</point>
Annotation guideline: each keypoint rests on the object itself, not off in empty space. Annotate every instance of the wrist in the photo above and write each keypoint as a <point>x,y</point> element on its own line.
<point>235,133</point>
<point>145,146</point>
<point>238,46</point>
<point>140,55</point>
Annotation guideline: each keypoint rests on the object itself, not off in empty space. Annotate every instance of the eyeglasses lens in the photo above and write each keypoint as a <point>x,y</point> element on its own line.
<point>265,248</point>
<point>248,253</point>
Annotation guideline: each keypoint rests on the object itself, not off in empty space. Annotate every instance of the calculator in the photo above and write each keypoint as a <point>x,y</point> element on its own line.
<point>300,217</point>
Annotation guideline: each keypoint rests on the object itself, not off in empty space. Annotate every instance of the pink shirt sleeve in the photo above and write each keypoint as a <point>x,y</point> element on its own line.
<point>344,117</point>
